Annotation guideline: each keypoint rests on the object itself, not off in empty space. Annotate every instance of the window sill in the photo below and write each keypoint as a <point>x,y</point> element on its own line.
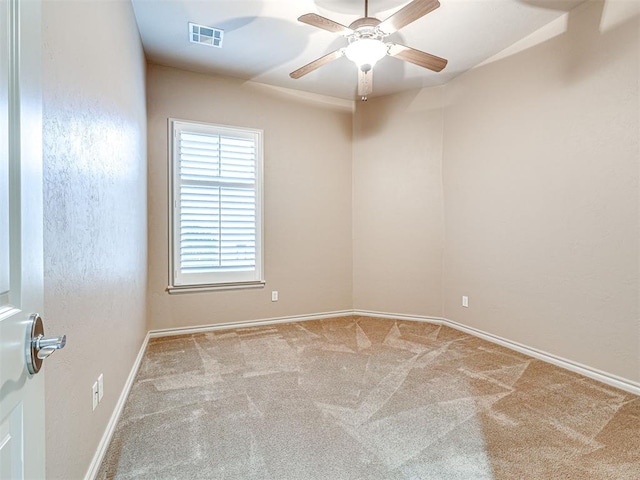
<point>172,290</point>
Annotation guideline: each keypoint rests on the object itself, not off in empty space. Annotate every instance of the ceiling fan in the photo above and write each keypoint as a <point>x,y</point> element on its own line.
<point>366,42</point>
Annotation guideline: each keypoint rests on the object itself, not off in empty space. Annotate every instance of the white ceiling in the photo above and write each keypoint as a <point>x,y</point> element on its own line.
<point>263,41</point>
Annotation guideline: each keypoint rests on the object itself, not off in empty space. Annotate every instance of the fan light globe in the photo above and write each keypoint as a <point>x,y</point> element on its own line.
<point>365,52</point>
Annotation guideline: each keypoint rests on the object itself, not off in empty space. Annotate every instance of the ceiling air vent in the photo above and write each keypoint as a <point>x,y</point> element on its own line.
<point>205,35</point>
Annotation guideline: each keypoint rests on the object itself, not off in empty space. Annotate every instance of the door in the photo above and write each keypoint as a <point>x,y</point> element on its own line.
<point>21,252</point>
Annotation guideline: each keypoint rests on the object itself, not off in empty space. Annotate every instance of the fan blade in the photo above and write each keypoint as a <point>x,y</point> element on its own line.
<point>365,83</point>
<point>310,67</point>
<point>417,57</point>
<point>409,13</point>
<point>325,24</point>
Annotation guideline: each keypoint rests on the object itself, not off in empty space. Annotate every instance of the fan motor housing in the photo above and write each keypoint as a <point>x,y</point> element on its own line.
<point>365,22</point>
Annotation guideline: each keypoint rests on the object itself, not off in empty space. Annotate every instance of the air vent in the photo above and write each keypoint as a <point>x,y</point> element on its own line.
<point>205,35</point>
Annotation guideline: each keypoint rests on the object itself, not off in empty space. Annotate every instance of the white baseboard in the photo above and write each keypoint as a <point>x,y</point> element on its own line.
<point>400,316</point>
<point>94,467</point>
<point>167,332</point>
<point>604,377</point>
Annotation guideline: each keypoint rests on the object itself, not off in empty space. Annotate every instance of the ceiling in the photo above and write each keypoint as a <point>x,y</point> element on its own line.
<point>263,41</point>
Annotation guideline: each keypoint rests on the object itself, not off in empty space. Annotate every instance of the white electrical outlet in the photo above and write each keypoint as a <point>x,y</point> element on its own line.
<point>465,301</point>
<point>274,296</point>
<point>94,395</point>
<point>100,387</point>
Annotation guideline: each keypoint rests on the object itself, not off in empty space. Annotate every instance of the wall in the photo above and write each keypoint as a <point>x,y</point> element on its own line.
<point>541,150</point>
<point>516,184</point>
<point>397,204</point>
<point>307,209</point>
<point>95,218</point>
<point>539,160</point>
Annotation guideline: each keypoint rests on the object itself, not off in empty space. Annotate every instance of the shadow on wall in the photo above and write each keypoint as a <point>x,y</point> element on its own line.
<point>579,58</point>
<point>586,28</point>
<point>305,99</point>
<point>374,116</point>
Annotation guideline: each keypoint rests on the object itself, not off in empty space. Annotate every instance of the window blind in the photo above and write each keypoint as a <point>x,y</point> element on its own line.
<point>216,205</point>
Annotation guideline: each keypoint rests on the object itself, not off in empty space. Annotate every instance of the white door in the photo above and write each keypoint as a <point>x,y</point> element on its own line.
<point>21,262</point>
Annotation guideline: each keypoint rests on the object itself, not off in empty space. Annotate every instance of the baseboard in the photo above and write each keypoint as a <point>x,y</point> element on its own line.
<point>167,332</point>
<point>400,316</point>
<point>604,377</point>
<point>94,467</point>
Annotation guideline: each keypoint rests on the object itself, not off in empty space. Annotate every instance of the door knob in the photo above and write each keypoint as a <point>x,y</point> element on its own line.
<point>40,347</point>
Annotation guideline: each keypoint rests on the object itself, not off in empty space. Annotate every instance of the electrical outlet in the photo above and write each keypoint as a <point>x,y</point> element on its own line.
<point>465,301</point>
<point>100,387</point>
<point>94,395</point>
<point>274,296</point>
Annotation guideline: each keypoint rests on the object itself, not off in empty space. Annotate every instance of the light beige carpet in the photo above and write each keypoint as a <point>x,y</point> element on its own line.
<point>364,398</point>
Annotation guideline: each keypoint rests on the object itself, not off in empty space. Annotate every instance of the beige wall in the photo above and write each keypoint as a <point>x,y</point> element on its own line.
<point>307,209</point>
<point>95,218</point>
<point>541,162</point>
<point>397,204</point>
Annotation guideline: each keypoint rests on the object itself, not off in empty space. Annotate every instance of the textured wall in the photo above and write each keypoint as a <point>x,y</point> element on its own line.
<point>397,204</point>
<point>95,217</point>
<point>307,209</point>
<point>541,152</point>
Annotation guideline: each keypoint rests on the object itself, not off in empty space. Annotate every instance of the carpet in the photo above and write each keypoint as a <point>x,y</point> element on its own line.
<point>365,398</point>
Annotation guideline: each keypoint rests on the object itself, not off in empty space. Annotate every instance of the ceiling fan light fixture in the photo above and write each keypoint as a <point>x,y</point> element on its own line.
<point>366,42</point>
<point>365,52</point>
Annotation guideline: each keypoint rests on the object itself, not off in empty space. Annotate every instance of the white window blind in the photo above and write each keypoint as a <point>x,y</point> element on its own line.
<point>216,205</point>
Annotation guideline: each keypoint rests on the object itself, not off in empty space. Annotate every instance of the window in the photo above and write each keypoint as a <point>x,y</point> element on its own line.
<point>216,207</point>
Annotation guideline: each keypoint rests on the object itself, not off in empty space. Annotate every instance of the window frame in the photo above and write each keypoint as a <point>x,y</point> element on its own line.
<point>187,283</point>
